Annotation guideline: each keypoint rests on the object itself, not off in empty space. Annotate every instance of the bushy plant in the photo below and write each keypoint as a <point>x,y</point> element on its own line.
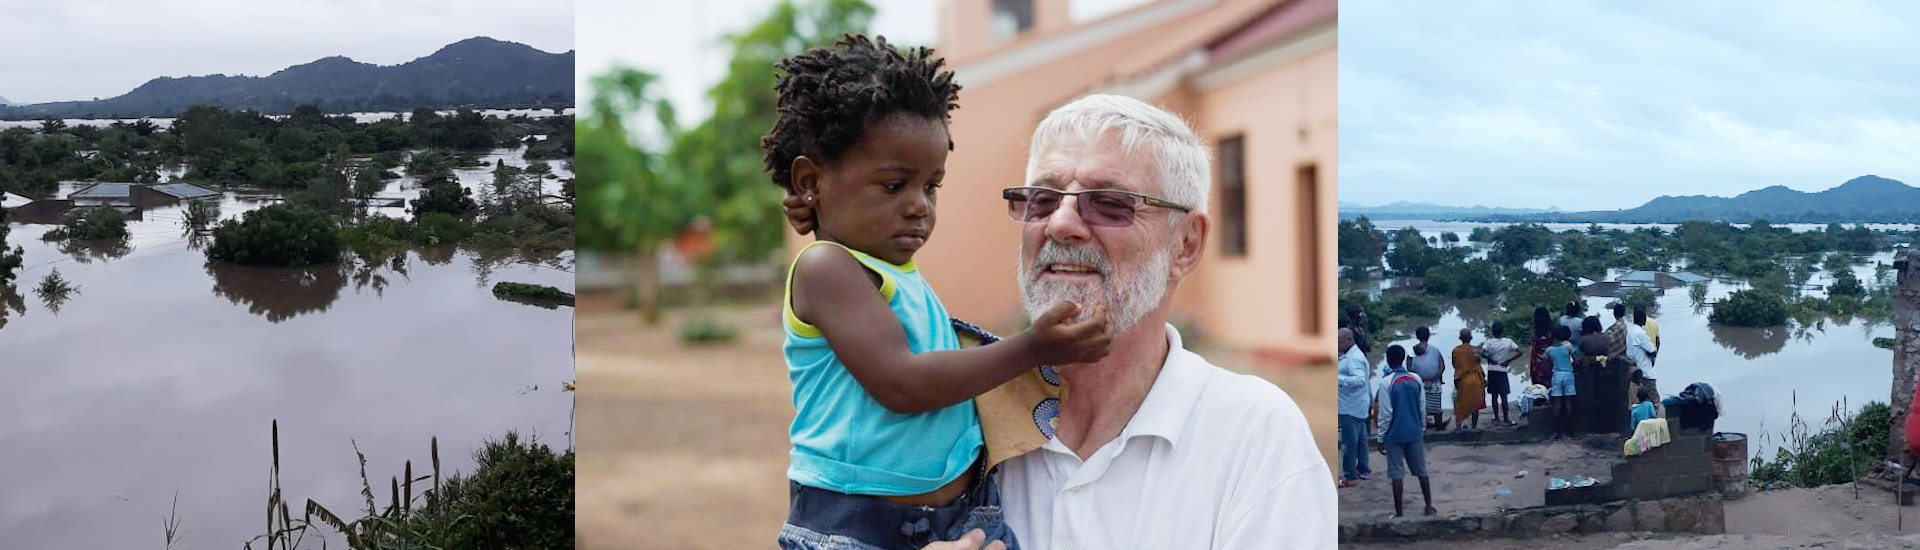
<point>1751,308</point>
<point>91,224</point>
<point>1847,447</point>
<point>705,329</point>
<point>1411,304</point>
<point>277,235</point>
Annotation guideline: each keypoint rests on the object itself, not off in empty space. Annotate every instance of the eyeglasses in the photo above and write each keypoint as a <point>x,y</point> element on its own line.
<point>1101,207</point>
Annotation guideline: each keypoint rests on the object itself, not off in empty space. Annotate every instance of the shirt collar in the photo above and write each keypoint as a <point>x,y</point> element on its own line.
<point>1175,393</point>
<point>1354,353</point>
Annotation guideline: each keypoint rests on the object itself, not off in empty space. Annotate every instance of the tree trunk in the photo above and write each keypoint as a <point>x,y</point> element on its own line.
<point>1906,344</point>
<point>647,266</point>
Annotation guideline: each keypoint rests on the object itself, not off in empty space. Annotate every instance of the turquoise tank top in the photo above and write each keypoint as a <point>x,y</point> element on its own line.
<point>843,439</point>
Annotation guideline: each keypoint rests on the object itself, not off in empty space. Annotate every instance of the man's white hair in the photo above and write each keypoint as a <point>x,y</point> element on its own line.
<point>1180,159</point>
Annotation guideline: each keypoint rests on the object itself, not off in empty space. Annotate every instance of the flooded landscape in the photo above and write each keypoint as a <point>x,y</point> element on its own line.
<point>1765,375</point>
<point>160,375</point>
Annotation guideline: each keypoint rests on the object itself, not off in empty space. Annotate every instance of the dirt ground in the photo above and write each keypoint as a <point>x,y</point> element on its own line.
<point>1824,517</point>
<point>1468,478</point>
<point>686,447</point>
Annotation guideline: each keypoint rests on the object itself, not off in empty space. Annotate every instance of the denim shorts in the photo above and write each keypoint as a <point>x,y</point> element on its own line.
<point>1562,385</point>
<point>821,519</point>
<point>1404,457</point>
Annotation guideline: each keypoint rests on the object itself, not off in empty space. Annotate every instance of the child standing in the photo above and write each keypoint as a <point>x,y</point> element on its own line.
<point>1561,353</point>
<point>887,449</point>
<point>1405,436</point>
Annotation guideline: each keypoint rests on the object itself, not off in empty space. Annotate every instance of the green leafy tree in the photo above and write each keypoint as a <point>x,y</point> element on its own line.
<point>1410,254</point>
<point>1751,308</point>
<point>277,235</point>
<point>629,205</point>
<point>1360,243</point>
<point>724,151</point>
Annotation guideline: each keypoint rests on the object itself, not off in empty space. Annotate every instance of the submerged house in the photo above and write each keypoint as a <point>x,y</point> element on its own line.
<point>128,198</point>
<point>1655,280</point>
<point>9,201</point>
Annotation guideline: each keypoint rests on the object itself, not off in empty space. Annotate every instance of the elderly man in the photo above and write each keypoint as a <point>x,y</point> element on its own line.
<point>1154,447</point>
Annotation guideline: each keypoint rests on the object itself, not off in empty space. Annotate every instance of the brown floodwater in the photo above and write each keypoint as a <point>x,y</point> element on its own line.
<point>1765,375</point>
<point>161,374</point>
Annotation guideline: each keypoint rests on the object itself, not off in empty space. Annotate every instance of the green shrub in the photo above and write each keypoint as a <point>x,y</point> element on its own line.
<point>440,228</point>
<point>1751,308</point>
<point>278,235</point>
<point>91,224</point>
<point>1846,448</point>
<point>1411,304</point>
<point>526,291</point>
<point>705,329</point>
<point>444,195</point>
<point>520,495</point>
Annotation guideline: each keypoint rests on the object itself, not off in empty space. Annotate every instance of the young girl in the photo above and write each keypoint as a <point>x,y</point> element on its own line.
<point>887,448</point>
<point>1561,353</point>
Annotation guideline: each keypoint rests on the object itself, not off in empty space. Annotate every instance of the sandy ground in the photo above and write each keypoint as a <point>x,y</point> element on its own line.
<point>686,447</point>
<point>1824,517</point>
<point>1467,478</point>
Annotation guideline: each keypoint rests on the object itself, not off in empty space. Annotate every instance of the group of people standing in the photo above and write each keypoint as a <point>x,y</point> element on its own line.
<point>1379,403</point>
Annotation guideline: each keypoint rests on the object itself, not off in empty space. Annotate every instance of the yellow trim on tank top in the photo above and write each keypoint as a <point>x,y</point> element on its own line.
<point>887,289</point>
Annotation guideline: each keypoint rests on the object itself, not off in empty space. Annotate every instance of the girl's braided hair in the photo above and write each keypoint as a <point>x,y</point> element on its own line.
<point>827,96</point>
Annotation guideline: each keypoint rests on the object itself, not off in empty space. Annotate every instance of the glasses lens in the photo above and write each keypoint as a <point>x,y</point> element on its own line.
<point>1109,209</point>
<point>1040,204</point>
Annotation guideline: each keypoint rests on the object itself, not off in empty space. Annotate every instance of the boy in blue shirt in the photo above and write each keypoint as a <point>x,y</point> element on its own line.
<point>1405,436</point>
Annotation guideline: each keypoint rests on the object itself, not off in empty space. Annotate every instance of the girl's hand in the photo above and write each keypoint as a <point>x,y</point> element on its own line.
<point>970,541</point>
<point>1055,342</point>
<point>799,214</point>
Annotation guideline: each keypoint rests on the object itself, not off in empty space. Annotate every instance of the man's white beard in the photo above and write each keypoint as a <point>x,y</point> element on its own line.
<point>1126,298</point>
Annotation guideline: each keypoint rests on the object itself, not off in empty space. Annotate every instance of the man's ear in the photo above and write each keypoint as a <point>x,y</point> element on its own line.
<point>1190,241</point>
<point>805,175</point>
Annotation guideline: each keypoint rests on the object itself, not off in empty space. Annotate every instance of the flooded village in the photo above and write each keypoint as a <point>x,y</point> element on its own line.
<point>169,371</point>
<point>1799,409</point>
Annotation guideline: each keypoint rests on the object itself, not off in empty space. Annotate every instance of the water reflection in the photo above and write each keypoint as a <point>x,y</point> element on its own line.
<point>192,379</point>
<point>1750,343</point>
<point>11,303</point>
<point>87,252</point>
<point>278,293</point>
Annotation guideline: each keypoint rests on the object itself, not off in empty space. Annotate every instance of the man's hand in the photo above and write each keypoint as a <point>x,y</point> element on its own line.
<point>799,213</point>
<point>971,541</point>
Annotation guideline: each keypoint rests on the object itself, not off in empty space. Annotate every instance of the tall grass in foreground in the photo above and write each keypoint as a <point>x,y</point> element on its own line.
<point>1847,447</point>
<point>520,495</point>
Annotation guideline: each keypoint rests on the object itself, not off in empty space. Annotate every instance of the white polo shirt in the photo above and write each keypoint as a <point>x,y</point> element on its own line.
<point>1212,459</point>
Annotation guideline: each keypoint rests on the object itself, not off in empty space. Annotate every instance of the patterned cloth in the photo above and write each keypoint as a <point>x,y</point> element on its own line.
<point>1433,395</point>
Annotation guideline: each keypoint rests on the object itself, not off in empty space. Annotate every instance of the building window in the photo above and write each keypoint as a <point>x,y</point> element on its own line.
<point>1011,18</point>
<point>1233,196</point>
<point>1307,216</point>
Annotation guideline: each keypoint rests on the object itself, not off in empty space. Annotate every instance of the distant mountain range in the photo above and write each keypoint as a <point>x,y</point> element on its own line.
<point>1859,200</point>
<point>476,72</point>
<point>1423,210</point>
<point>4,102</point>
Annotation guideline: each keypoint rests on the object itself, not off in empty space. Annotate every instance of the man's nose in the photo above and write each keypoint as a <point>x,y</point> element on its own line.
<point>1064,225</point>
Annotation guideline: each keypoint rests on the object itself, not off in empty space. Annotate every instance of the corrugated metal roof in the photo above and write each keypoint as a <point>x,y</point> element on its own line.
<point>104,191</point>
<point>184,190</point>
<point>1638,276</point>
<point>1690,277</point>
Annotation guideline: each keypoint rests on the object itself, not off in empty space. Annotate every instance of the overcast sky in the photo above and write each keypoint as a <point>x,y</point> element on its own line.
<point>1606,105</point>
<point>681,41</point>
<point>82,49</point>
